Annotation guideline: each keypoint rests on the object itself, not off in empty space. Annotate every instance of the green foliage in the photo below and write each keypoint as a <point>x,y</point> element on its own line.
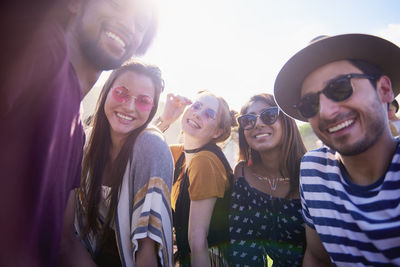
<point>309,138</point>
<point>305,129</point>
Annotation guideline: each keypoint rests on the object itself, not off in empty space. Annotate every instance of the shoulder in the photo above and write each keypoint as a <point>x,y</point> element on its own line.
<point>206,163</point>
<point>151,142</point>
<point>321,167</point>
<point>47,48</point>
<point>239,168</point>
<point>396,156</point>
<point>205,158</point>
<point>151,157</point>
<point>150,137</point>
<point>322,156</point>
<point>398,142</point>
<point>176,150</point>
<point>205,154</point>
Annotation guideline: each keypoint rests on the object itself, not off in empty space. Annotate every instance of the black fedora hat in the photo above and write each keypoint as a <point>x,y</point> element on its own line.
<point>380,52</point>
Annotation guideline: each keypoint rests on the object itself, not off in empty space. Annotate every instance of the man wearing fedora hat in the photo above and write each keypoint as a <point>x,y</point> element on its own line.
<point>350,189</point>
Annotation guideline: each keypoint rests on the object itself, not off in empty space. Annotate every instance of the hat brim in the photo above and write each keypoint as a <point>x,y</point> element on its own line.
<point>380,52</point>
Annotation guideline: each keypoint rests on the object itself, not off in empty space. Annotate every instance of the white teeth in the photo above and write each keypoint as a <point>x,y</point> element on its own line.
<point>116,38</point>
<point>263,135</point>
<point>340,126</point>
<point>122,116</point>
<point>194,124</point>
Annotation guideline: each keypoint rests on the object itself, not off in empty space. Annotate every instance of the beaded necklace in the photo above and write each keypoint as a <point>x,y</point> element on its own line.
<point>273,182</point>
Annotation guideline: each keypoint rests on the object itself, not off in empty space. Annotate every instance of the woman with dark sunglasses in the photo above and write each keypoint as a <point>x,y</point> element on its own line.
<point>265,217</point>
<point>202,181</point>
<point>122,209</point>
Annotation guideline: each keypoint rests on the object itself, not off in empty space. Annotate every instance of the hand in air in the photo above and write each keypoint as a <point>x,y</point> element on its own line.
<point>174,107</point>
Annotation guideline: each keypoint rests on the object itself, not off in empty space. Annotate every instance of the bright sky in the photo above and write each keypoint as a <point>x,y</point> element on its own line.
<point>235,48</point>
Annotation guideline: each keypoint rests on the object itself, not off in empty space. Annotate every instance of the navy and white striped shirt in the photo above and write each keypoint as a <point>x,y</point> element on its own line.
<point>358,225</point>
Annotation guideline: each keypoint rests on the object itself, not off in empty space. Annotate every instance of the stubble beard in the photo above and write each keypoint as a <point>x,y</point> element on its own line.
<point>97,56</point>
<point>373,132</point>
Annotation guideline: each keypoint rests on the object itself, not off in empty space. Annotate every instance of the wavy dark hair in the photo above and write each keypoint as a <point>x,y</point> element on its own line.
<point>96,154</point>
<point>292,150</point>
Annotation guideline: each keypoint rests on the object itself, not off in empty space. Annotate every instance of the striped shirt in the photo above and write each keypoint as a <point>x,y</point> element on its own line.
<point>358,225</point>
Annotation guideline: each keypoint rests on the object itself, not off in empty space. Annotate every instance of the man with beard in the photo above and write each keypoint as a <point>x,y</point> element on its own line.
<point>107,33</point>
<point>52,55</point>
<point>350,189</point>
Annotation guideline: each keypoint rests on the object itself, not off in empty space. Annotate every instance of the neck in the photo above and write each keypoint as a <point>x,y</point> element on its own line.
<point>365,168</point>
<point>270,162</point>
<point>192,151</point>
<point>190,145</point>
<point>86,72</point>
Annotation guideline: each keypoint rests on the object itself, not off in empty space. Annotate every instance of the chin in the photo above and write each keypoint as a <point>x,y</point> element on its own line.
<point>102,59</point>
<point>103,62</point>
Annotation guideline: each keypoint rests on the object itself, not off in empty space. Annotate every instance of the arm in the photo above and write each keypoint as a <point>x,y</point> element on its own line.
<point>151,227</point>
<point>72,252</point>
<point>199,222</point>
<point>174,108</point>
<point>146,255</point>
<point>315,254</point>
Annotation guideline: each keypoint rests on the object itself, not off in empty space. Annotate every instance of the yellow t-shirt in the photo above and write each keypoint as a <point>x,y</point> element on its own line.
<point>393,129</point>
<point>206,173</point>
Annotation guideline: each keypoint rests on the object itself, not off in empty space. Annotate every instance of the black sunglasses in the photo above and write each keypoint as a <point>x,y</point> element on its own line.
<point>268,116</point>
<point>338,90</point>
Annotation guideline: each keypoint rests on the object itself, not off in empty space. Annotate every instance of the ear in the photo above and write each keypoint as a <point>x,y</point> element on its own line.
<point>384,89</point>
<point>218,133</point>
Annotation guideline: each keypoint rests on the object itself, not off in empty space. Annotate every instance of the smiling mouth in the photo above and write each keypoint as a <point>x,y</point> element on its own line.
<point>124,117</point>
<point>340,126</point>
<point>193,123</point>
<point>116,38</point>
<point>262,135</point>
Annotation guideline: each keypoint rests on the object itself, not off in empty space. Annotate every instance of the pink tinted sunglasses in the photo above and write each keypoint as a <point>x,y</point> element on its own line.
<point>142,102</point>
<point>208,113</point>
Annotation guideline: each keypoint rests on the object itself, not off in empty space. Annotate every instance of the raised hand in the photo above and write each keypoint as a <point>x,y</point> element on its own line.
<point>174,107</point>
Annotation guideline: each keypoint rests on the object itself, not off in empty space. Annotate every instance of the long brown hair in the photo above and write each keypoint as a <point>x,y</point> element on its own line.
<point>292,150</point>
<point>96,154</point>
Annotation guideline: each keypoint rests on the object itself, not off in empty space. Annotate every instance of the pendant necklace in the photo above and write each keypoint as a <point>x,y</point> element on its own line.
<point>273,182</point>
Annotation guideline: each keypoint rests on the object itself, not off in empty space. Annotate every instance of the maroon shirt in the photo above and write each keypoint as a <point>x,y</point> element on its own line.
<point>41,142</point>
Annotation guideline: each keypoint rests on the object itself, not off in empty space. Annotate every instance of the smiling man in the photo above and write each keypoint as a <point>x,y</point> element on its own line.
<point>107,33</point>
<point>51,58</point>
<point>349,189</point>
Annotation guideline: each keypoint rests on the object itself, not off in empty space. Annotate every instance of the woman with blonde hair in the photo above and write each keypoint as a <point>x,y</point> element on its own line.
<point>202,182</point>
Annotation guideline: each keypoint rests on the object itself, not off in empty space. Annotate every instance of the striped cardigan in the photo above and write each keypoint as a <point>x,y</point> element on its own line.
<point>144,206</point>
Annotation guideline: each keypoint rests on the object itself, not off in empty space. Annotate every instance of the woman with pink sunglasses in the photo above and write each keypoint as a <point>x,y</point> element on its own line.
<point>122,209</point>
<point>202,180</point>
